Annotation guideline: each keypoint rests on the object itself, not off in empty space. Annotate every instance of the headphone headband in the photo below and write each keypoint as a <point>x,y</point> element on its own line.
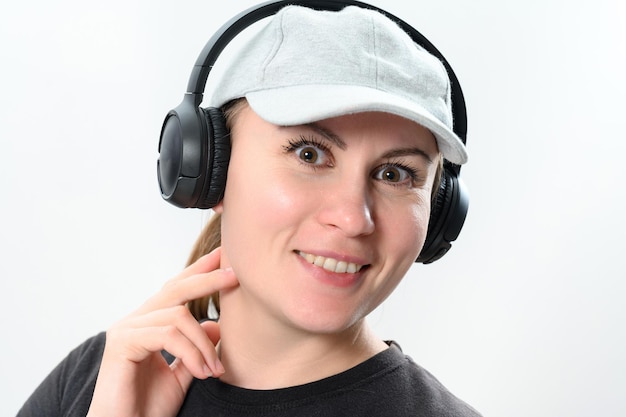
<point>222,37</point>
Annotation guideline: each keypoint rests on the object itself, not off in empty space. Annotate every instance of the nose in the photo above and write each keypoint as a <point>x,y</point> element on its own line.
<point>348,208</point>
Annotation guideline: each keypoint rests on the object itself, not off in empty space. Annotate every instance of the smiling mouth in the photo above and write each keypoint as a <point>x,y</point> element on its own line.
<point>331,264</point>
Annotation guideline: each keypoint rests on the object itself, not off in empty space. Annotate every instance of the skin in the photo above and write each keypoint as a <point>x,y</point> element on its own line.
<point>134,379</point>
<point>305,321</point>
<point>284,321</point>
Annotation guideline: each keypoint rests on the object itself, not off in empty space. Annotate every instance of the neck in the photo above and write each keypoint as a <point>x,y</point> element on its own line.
<point>261,353</point>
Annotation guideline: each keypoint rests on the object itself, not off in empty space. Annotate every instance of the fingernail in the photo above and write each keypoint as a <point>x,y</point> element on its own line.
<point>207,371</point>
<point>219,367</point>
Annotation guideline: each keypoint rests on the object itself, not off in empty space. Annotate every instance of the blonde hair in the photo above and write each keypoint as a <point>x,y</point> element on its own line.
<point>211,236</point>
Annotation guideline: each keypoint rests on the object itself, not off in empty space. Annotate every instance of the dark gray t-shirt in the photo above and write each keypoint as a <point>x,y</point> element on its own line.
<point>388,384</point>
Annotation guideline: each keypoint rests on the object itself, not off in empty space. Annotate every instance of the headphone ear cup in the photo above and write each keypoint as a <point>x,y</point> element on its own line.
<point>219,156</point>
<point>447,215</point>
<point>183,155</point>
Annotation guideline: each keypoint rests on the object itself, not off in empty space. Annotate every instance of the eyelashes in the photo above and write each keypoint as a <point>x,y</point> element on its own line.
<point>304,141</point>
<point>397,173</point>
<point>315,154</point>
<point>310,151</point>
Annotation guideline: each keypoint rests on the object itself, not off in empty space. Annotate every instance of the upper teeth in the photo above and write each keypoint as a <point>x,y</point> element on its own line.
<point>330,264</point>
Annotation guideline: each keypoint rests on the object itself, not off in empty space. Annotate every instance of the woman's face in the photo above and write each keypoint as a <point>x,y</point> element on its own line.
<point>320,222</point>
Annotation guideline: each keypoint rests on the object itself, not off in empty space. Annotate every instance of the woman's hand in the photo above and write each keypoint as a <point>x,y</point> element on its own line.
<point>134,378</point>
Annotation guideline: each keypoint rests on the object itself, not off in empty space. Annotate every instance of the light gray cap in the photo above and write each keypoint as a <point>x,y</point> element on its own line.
<point>307,65</point>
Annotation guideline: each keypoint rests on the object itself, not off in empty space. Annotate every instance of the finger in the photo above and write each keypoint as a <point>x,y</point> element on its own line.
<point>140,343</point>
<point>181,318</point>
<point>206,263</point>
<point>181,372</point>
<point>179,292</point>
<point>212,330</point>
<point>199,285</point>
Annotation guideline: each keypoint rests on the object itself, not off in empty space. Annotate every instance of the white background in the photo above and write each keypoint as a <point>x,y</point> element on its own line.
<point>524,317</point>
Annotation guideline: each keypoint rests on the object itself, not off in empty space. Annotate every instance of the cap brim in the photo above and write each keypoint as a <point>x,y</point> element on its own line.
<point>295,105</point>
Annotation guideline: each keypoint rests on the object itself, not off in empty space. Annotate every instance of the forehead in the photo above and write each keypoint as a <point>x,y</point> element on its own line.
<point>384,128</point>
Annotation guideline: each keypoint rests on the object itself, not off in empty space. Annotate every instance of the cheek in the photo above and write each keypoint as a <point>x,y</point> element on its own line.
<point>406,231</point>
<point>264,196</point>
<point>261,209</point>
<point>405,235</point>
<point>421,217</point>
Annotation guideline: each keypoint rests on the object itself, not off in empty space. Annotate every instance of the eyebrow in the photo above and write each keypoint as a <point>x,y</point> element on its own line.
<point>328,135</point>
<point>394,153</point>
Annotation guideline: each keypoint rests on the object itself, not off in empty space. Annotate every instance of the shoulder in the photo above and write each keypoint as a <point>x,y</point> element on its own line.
<point>82,363</point>
<point>68,389</point>
<point>87,355</point>
<point>423,391</point>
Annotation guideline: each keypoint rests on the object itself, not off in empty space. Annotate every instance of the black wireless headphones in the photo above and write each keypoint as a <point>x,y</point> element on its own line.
<point>194,146</point>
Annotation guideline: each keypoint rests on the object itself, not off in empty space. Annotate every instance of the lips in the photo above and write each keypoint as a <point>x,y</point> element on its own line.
<point>331,264</point>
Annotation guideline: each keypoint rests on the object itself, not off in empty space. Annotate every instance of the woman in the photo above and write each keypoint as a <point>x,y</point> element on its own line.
<point>335,157</point>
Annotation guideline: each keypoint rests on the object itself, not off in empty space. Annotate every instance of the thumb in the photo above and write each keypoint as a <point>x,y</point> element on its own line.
<point>212,329</point>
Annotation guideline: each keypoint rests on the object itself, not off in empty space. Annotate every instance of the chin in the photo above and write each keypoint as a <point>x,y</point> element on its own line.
<point>324,317</point>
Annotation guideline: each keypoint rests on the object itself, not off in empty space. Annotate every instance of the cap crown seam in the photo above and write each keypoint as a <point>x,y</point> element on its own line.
<point>273,52</point>
<point>376,54</point>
